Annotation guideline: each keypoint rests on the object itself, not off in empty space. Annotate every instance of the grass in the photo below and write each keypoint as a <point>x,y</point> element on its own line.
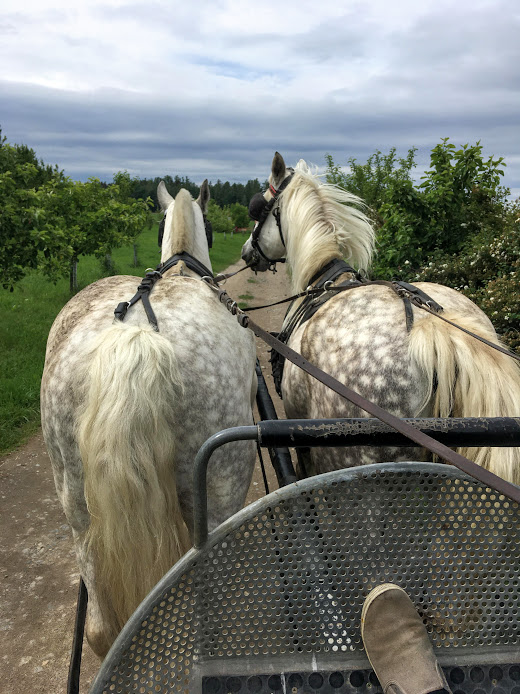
<point>27,313</point>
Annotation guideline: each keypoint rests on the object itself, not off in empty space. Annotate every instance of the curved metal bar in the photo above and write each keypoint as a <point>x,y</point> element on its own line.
<point>200,469</point>
<point>492,431</point>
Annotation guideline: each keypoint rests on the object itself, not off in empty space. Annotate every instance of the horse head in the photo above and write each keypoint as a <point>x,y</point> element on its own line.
<point>184,228</point>
<point>266,245</point>
<point>306,222</point>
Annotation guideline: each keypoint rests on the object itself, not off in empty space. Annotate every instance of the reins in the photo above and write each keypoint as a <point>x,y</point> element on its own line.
<point>403,289</point>
<point>485,476</point>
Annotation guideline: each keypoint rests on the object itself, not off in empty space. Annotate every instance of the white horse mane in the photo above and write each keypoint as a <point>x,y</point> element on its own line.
<point>323,225</point>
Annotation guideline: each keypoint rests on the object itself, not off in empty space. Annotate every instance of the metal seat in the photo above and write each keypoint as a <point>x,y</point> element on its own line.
<point>272,601</point>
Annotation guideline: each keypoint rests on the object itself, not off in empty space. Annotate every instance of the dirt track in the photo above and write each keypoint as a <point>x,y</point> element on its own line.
<point>37,565</point>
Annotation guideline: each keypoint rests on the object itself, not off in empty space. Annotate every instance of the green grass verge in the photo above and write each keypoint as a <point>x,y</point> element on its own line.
<point>27,313</point>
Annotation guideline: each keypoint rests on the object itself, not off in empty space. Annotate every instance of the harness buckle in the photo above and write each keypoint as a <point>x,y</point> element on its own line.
<point>121,309</point>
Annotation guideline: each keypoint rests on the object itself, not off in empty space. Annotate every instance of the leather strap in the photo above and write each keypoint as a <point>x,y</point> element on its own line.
<point>190,262</point>
<point>420,438</point>
<point>149,280</point>
<point>499,348</point>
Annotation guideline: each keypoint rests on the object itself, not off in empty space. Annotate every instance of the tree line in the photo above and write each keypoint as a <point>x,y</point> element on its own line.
<point>224,194</point>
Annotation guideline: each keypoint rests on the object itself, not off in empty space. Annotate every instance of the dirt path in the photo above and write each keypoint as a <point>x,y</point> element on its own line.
<point>38,576</point>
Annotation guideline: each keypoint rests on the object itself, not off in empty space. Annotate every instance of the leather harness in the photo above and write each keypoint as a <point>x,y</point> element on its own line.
<point>148,283</point>
<point>313,301</point>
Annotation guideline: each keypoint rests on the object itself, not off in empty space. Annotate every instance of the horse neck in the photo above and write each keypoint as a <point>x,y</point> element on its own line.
<point>184,233</point>
<point>323,222</point>
<point>310,242</point>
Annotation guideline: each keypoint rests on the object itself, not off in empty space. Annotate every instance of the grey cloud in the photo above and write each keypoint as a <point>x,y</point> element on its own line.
<point>107,130</point>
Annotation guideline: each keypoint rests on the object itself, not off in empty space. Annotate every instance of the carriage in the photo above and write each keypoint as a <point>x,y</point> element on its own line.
<point>270,601</point>
<point>269,598</point>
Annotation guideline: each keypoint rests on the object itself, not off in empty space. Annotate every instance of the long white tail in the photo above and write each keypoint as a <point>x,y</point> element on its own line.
<point>472,380</point>
<point>125,432</point>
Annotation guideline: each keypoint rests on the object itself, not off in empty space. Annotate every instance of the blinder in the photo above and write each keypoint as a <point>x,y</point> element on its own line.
<point>256,206</point>
<point>161,231</point>
<point>259,209</point>
<point>209,231</point>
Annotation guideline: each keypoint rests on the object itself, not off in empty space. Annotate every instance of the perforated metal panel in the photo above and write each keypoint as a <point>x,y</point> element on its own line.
<point>279,587</point>
<point>462,680</point>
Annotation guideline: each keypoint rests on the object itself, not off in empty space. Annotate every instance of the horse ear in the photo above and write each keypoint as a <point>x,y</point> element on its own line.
<point>203,198</point>
<point>164,198</point>
<point>277,169</point>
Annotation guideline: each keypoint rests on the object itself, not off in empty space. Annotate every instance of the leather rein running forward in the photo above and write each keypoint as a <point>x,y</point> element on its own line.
<point>420,438</point>
<point>413,294</point>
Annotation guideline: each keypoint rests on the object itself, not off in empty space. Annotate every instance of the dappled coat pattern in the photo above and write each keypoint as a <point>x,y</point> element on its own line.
<point>361,337</point>
<point>124,411</point>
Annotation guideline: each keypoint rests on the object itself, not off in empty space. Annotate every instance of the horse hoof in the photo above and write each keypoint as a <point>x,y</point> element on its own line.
<point>98,640</point>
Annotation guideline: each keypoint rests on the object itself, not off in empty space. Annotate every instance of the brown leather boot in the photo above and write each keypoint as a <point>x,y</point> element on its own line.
<point>397,644</point>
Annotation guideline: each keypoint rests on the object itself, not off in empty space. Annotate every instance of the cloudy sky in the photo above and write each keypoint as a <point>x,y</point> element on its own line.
<point>212,89</point>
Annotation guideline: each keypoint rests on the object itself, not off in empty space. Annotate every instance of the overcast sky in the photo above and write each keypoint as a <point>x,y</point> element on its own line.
<point>212,89</point>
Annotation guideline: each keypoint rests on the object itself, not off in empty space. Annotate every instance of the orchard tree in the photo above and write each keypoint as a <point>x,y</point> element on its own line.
<point>47,220</point>
<point>220,218</point>
<point>239,215</point>
<point>91,218</point>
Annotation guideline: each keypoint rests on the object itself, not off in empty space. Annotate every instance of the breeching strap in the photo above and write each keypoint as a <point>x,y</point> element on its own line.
<point>420,438</point>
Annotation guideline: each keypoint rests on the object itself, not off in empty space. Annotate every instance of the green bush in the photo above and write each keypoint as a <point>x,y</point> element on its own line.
<point>220,219</point>
<point>456,227</point>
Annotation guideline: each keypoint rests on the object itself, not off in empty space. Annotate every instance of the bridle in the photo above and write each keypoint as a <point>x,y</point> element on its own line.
<point>259,210</point>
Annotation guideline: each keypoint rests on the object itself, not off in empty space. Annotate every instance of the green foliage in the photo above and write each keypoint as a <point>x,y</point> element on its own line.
<point>239,215</point>
<point>459,196</point>
<point>455,227</point>
<point>488,272</point>
<point>372,181</point>
<point>47,220</point>
<point>220,219</point>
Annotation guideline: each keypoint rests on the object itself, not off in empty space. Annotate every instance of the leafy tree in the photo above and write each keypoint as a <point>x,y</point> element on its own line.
<point>47,220</point>
<point>458,196</point>
<point>91,219</point>
<point>371,181</point>
<point>454,227</point>
<point>14,157</point>
<point>239,215</point>
<point>220,219</point>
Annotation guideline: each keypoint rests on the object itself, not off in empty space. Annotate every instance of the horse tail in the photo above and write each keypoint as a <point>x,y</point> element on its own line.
<point>125,434</point>
<point>469,379</point>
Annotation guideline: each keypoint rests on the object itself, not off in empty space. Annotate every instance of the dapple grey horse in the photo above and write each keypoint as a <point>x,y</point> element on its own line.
<point>361,336</point>
<point>125,409</point>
